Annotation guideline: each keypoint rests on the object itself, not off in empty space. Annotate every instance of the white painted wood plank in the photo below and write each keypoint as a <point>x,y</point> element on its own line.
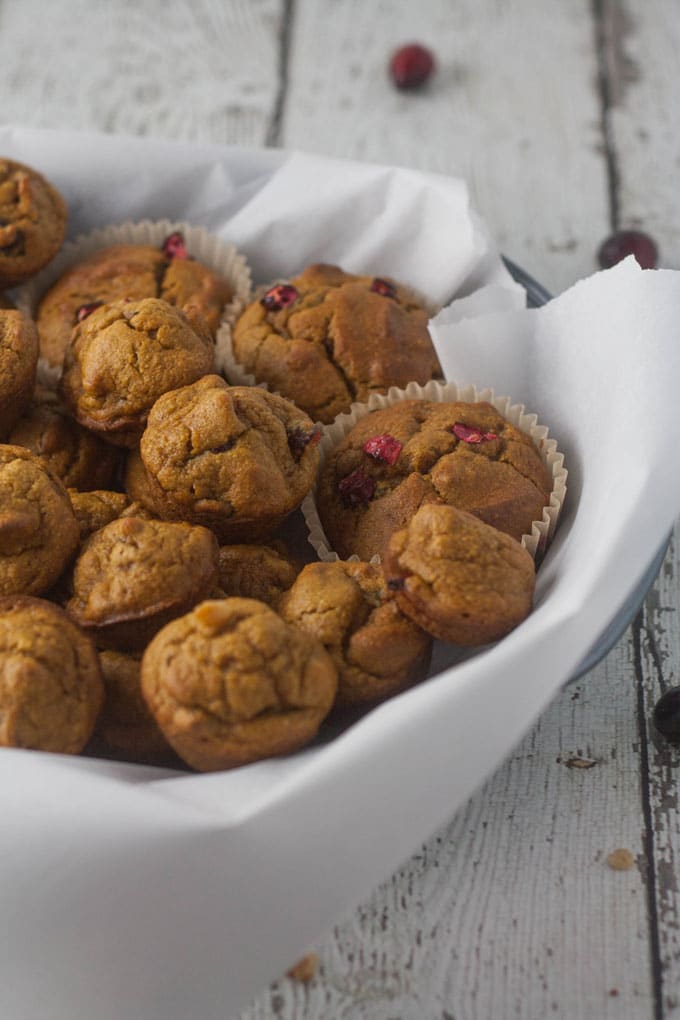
<point>513,109</point>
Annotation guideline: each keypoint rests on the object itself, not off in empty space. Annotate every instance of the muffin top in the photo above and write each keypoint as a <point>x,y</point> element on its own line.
<point>33,218</point>
<point>125,725</point>
<point>458,578</point>
<point>417,451</point>
<point>50,683</point>
<point>255,572</point>
<point>329,338</point>
<point>96,508</point>
<point>18,365</point>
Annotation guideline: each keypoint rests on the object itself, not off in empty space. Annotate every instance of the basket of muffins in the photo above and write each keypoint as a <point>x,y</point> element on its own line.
<point>161,424</point>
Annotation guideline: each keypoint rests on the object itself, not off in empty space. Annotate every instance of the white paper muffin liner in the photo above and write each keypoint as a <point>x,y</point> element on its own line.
<point>220,256</point>
<point>535,542</point>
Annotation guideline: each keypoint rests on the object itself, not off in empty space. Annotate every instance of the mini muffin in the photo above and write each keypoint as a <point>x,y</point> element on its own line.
<point>255,572</point>
<point>231,683</point>
<point>134,575</point>
<point>80,458</point>
<point>458,578</point>
<point>32,222</point>
<point>235,459</point>
<point>413,452</point>
<point>38,528</point>
<point>125,355</point>
<point>51,688</point>
<point>329,338</point>
<point>347,607</point>
<point>95,509</point>
<point>18,365</point>
<point>128,272</point>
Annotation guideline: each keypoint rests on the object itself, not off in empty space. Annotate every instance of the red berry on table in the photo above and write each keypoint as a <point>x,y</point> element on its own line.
<point>628,242</point>
<point>411,66</point>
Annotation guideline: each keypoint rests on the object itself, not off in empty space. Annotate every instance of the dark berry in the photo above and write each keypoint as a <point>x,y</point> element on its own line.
<point>173,246</point>
<point>85,310</point>
<point>628,242</point>
<point>471,435</point>
<point>411,66</point>
<point>384,448</point>
<point>356,488</point>
<point>384,287</point>
<point>666,715</point>
<point>299,439</point>
<point>281,295</point>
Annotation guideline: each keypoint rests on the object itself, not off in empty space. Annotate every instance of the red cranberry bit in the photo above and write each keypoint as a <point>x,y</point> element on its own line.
<point>356,488</point>
<point>299,439</point>
<point>173,246</point>
<point>384,288</point>
<point>86,310</point>
<point>470,435</point>
<point>281,295</point>
<point>384,448</point>
<point>411,66</point>
<point>628,242</point>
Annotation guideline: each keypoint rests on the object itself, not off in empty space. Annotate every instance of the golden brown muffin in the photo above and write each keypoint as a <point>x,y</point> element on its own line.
<point>51,688</point>
<point>135,575</point>
<point>32,222</point>
<point>458,578</point>
<point>125,355</point>
<point>398,458</point>
<point>127,272</point>
<point>236,459</point>
<point>18,364</point>
<point>94,510</point>
<point>80,458</point>
<point>255,572</point>
<point>231,683</point>
<point>347,607</point>
<point>329,338</point>
<point>38,529</point>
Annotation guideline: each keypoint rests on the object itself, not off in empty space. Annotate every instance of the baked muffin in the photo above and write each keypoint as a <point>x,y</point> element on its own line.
<point>95,509</point>
<point>235,459</point>
<point>135,575</point>
<point>50,683</point>
<point>38,529</point>
<point>80,458</point>
<point>255,572</point>
<point>231,683</point>
<point>125,355</point>
<point>347,606</point>
<point>458,578</point>
<point>128,272</point>
<point>18,365</point>
<point>329,338</point>
<point>413,452</point>
<point>32,222</point>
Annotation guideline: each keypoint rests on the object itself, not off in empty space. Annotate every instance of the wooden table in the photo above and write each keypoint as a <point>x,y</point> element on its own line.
<point>564,119</point>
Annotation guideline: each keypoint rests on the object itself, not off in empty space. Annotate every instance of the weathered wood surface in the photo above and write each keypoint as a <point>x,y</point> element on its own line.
<point>564,119</point>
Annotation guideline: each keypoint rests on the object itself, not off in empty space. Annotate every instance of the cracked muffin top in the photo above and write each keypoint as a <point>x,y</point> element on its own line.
<point>38,529</point>
<point>329,338</point>
<point>458,578</point>
<point>231,683</point>
<point>125,355</point>
<point>33,218</point>
<point>229,457</point>
<point>96,508</point>
<point>417,451</point>
<point>255,572</point>
<point>50,683</point>
<point>127,271</point>
<point>18,365</point>
<point>347,607</point>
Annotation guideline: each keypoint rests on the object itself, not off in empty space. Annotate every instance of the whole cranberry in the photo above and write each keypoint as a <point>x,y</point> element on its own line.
<point>411,66</point>
<point>628,242</point>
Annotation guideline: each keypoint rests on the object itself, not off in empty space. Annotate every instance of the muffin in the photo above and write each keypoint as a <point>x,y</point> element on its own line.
<point>50,682</point>
<point>125,355</point>
<point>458,578</point>
<point>95,509</point>
<point>329,338</point>
<point>377,651</point>
<point>18,365</point>
<point>235,459</point>
<point>132,272</point>
<point>255,572</point>
<point>415,452</point>
<point>75,454</point>
<point>33,218</point>
<point>135,575</point>
<point>38,528</point>
<point>231,683</point>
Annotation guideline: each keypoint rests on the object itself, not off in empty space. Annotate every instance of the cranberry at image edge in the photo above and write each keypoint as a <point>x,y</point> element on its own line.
<point>628,242</point>
<point>411,65</point>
